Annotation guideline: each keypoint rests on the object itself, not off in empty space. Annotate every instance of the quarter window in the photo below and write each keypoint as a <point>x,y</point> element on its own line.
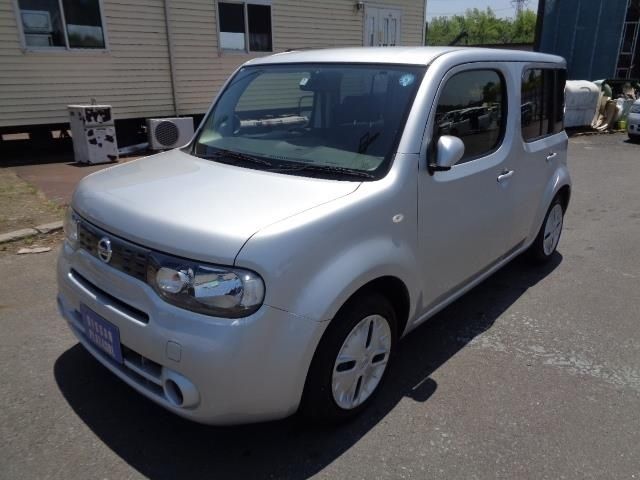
<point>62,23</point>
<point>472,107</point>
<point>245,26</point>
<point>542,105</point>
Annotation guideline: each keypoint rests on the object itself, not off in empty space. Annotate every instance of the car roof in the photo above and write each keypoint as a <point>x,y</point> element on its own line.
<point>403,55</point>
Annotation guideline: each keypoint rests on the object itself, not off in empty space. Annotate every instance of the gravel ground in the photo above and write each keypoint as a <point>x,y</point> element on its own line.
<point>533,374</point>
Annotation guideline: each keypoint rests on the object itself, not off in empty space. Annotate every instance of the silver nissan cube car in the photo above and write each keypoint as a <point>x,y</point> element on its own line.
<point>330,202</point>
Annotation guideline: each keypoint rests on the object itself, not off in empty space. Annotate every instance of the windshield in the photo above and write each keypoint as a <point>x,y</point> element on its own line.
<point>311,119</point>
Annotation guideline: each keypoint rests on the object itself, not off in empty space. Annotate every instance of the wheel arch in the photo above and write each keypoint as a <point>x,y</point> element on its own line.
<point>559,185</point>
<point>394,290</point>
<point>564,193</point>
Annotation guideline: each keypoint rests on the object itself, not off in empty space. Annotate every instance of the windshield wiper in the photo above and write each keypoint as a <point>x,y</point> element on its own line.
<point>366,140</point>
<point>324,168</point>
<point>220,154</point>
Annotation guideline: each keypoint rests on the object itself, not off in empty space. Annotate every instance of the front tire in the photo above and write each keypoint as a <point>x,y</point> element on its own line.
<point>351,361</point>
<point>546,242</point>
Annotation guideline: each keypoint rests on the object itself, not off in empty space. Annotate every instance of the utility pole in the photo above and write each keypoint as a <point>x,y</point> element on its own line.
<point>519,6</point>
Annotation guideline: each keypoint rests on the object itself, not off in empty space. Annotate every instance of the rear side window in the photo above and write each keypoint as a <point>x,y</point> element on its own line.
<point>542,105</point>
<point>472,106</point>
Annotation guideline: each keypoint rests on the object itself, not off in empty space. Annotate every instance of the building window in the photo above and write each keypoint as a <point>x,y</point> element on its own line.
<point>472,106</point>
<point>62,23</point>
<point>245,26</point>
<point>542,104</point>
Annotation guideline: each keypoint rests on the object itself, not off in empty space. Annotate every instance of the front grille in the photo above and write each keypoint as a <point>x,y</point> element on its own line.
<point>126,256</point>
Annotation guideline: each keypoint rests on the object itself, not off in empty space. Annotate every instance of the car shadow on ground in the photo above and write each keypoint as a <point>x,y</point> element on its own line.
<point>161,445</point>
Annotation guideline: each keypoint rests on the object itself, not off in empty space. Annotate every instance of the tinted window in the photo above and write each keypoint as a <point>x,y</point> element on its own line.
<point>235,35</point>
<point>42,23</point>
<point>231,18</point>
<point>259,18</point>
<point>84,24</point>
<point>542,106</point>
<point>471,107</point>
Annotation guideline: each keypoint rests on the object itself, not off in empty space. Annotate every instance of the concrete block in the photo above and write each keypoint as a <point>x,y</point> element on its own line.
<point>17,235</point>
<point>49,227</point>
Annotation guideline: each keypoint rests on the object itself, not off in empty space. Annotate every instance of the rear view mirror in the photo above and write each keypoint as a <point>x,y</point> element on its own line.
<point>319,82</point>
<point>449,151</point>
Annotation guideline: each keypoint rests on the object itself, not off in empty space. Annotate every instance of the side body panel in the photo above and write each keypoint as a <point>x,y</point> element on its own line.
<point>464,214</point>
<point>313,262</point>
<point>537,165</point>
<point>528,207</point>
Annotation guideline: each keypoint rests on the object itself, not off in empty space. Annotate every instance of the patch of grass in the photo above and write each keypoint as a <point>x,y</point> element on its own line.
<point>22,205</point>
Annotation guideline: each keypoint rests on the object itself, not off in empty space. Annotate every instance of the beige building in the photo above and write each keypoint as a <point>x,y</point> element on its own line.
<point>153,58</point>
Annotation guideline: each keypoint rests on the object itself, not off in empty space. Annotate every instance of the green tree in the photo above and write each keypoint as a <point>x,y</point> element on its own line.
<point>482,27</point>
<point>523,27</point>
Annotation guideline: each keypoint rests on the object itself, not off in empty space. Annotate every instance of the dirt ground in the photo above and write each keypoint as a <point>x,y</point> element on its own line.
<point>51,240</point>
<point>22,205</point>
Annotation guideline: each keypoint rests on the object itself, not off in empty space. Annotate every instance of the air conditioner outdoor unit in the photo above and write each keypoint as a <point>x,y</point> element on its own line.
<point>165,133</point>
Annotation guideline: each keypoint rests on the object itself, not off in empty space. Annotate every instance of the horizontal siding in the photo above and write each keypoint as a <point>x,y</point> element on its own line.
<point>283,88</point>
<point>200,68</point>
<point>412,22</point>
<point>330,23</point>
<point>133,76</point>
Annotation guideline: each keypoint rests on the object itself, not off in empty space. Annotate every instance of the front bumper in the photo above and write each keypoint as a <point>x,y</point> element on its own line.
<point>228,370</point>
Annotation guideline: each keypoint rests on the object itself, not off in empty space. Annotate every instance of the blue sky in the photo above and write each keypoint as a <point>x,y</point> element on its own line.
<point>503,8</point>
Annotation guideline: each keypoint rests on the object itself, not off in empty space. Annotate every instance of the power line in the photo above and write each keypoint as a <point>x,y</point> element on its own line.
<point>519,5</point>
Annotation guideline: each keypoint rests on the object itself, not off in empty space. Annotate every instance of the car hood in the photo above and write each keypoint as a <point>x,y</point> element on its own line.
<point>195,208</point>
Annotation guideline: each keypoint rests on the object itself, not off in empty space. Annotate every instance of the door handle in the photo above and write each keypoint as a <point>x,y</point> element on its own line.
<point>551,156</point>
<point>506,174</point>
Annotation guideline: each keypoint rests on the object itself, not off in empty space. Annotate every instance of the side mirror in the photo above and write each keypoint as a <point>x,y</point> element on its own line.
<point>449,151</point>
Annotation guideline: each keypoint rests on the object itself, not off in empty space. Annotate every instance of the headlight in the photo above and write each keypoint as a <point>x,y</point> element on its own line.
<point>634,109</point>
<point>70,226</point>
<point>208,289</point>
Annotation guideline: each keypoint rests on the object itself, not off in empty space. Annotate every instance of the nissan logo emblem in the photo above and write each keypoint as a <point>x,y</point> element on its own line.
<point>104,249</point>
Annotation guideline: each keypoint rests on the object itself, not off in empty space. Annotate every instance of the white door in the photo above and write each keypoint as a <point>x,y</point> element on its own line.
<point>381,27</point>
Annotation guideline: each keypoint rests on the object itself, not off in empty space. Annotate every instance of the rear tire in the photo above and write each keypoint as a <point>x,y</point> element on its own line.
<point>351,361</point>
<point>546,242</point>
